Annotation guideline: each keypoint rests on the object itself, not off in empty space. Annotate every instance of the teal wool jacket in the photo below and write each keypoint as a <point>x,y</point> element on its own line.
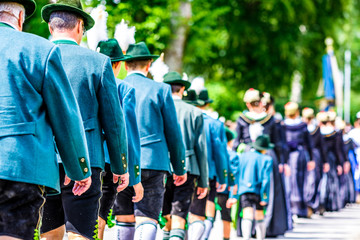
<point>128,103</point>
<point>160,134</point>
<point>255,170</point>
<point>216,149</point>
<point>191,122</point>
<point>93,82</point>
<point>36,105</point>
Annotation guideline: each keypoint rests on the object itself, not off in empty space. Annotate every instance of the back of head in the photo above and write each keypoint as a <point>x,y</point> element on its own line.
<point>253,97</point>
<point>10,12</point>
<point>291,109</point>
<point>63,21</point>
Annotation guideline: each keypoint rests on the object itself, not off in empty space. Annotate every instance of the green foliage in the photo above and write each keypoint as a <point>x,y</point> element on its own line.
<point>237,44</point>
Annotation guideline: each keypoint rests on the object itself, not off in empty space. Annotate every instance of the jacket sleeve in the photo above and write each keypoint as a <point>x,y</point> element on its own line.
<point>201,151</point>
<point>112,120</point>
<point>173,134</point>
<point>276,139</point>
<point>266,176</point>
<point>231,174</point>
<point>65,119</point>
<point>308,143</point>
<point>340,153</point>
<point>220,153</point>
<point>132,131</point>
<point>238,136</point>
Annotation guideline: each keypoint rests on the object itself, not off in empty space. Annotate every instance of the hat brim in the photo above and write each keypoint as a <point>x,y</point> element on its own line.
<point>141,57</point>
<point>186,84</point>
<point>257,147</point>
<point>30,6</point>
<point>117,59</point>
<point>196,102</point>
<point>54,7</point>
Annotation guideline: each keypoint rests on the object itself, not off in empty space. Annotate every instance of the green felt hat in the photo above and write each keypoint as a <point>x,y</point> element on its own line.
<point>29,5</point>
<point>230,135</point>
<point>190,96</point>
<point>73,6</point>
<point>262,143</point>
<point>112,49</point>
<point>204,95</point>
<point>138,51</point>
<point>175,78</point>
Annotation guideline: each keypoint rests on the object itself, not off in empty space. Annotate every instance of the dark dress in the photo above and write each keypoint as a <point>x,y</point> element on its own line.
<point>300,152</point>
<point>312,196</point>
<point>347,188</point>
<point>330,190</point>
<point>276,212</point>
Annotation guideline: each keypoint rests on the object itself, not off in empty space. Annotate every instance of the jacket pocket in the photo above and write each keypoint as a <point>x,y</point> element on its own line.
<point>153,138</point>
<point>89,124</point>
<point>28,128</point>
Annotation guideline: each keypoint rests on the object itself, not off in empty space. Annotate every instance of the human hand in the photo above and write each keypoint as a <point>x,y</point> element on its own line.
<point>263,203</point>
<point>79,186</point>
<point>179,180</point>
<point>220,187</point>
<point>281,168</point>
<point>339,170</point>
<point>201,192</point>
<point>347,167</point>
<point>139,192</point>
<point>287,170</point>
<point>230,202</point>
<point>123,181</point>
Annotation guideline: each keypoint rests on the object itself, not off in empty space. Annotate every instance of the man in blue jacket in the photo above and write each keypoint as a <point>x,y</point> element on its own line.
<point>94,85</point>
<point>36,105</point>
<point>134,192</point>
<point>218,160</point>
<point>255,169</point>
<point>177,199</point>
<point>160,139</point>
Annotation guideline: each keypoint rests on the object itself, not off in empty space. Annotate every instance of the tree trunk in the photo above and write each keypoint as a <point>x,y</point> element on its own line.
<point>180,28</point>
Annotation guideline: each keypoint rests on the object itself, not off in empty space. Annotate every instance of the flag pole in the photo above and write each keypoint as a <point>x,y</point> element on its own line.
<point>347,86</point>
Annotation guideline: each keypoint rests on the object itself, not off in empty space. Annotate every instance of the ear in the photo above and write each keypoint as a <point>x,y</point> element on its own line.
<point>148,65</point>
<point>126,67</point>
<point>21,20</point>
<point>50,29</point>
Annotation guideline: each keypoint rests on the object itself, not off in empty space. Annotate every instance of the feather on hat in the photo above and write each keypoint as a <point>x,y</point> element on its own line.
<point>99,31</point>
<point>159,68</point>
<point>125,35</point>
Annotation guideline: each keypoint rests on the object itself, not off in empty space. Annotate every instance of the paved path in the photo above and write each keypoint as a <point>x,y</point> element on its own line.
<point>344,224</point>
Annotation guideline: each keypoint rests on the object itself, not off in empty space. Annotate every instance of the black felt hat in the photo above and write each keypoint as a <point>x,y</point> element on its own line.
<point>204,96</point>
<point>190,96</point>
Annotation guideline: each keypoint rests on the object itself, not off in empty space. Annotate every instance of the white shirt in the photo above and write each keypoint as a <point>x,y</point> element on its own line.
<point>133,72</point>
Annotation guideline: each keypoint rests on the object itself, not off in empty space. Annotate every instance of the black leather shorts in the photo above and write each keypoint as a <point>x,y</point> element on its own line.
<point>20,209</point>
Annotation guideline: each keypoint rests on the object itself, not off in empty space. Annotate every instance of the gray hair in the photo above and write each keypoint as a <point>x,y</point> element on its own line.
<point>63,20</point>
<point>11,10</point>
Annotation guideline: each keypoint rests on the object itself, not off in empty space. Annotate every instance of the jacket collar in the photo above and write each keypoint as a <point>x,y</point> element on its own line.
<point>2,24</point>
<point>65,41</point>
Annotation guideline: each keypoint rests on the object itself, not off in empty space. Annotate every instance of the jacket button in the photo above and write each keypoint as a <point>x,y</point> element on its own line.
<point>86,170</point>
<point>138,173</point>
<point>183,161</point>
<point>124,165</point>
<point>249,184</point>
<point>137,167</point>
<point>82,160</point>
<point>123,158</point>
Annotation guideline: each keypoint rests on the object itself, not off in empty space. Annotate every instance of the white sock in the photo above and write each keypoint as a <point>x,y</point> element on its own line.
<point>209,222</point>
<point>260,228</point>
<point>196,230</point>
<point>246,227</point>
<point>146,231</point>
<point>125,230</point>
